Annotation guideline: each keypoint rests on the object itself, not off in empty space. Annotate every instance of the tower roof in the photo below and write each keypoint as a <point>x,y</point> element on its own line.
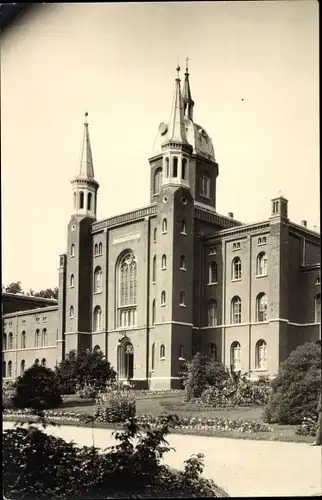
<point>186,95</point>
<point>86,170</point>
<point>177,129</point>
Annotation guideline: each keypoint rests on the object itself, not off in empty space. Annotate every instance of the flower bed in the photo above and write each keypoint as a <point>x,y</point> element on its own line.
<point>308,427</point>
<point>214,424</point>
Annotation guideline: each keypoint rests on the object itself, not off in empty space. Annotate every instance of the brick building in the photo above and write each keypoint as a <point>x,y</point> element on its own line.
<point>152,286</point>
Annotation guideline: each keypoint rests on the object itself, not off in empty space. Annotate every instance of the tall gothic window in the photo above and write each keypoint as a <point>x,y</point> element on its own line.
<point>10,341</point>
<point>4,342</point>
<point>22,366</point>
<point>261,307</point>
<point>183,227</point>
<point>72,250</point>
<point>183,263</point>
<point>212,312</point>
<point>44,337</point>
<point>213,350</point>
<point>89,201</point>
<point>235,361</point>
<point>236,269</point>
<point>97,280</point>
<point>71,312</point>
<point>81,199</point>
<point>153,312</point>
<point>37,338</point>
<point>164,262</point>
<point>167,168</point>
<point>154,268</point>
<point>153,356</point>
<point>128,290</point>
<point>212,272</point>
<point>164,226</point>
<point>162,351</point>
<point>261,355</point>
<point>261,267</point>
<point>157,181</point>
<point>175,167</point>
<point>9,369</point>
<point>236,310</point>
<point>71,281</point>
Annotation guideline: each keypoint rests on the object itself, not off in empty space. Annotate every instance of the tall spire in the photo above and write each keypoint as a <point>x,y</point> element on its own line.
<point>86,165</point>
<point>177,130</point>
<point>188,103</point>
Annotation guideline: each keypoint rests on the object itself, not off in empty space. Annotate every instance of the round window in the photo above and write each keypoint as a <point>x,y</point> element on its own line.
<point>73,227</point>
<point>184,200</point>
<point>165,199</point>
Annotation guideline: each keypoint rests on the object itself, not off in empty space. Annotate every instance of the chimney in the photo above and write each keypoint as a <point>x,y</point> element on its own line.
<point>304,223</point>
<point>231,215</point>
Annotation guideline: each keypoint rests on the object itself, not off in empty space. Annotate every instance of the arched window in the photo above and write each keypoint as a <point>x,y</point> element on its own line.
<point>261,355</point>
<point>213,350</point>
<point>155,235</point>
<point>157,181</point>
<point>153,312</point>
<point>127,296</point>
<point>153,356</point>
<point>97,348</point>
<point>37,338</point>
<point>181,352</point>
<point>318,308</point>
<point>44,337</point>
<point>261,266</point>
<point>89,201</point>
<point>71,281</point>
<point>236,269</point>
<point>154,270</point>
<point>184,168</point>
<point>261,307</point>
<point>96,249</point>
<point>23,340</point>
<point>97,319</point>
<point>100,248</point>
<point>81,199</point>
<point>175,167</point>
<point>10,341</point>
<point>75,200</point>
<point>72,250</point>
<point>162,351</point>
<point>4,342</point>
<point>164,261</point>
<point>236,310</point>
<point>183,263</point>
<point>163,298</point>
<point>43,362</point>
<point>71,312</point>
<point>164,226</point>
<point>36,362</point>
<point>97,280</point>
<point>4,369</point>
<point>9,369</point>
<point>235,362</point>
<point>183,227</point>
<point>182,299</point>
<point>212,312</point>
<point>166,174</point>
<point>22,366</point>
<point>212,272</point>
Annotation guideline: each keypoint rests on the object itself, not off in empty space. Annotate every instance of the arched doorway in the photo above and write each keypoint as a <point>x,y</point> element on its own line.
<point>125,359</point>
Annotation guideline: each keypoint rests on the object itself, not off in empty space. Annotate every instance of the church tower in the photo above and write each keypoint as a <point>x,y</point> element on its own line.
<point>78,261</point>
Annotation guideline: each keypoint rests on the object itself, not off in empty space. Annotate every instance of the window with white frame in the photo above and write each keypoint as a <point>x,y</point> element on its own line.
<point>212,312</point>
<point>213,350</point>
<point>44,337</point>
<point>182,299</point>
<point>318,308</point>
<point>205,186</point>
<point>162,351</point>
<point>157,180</point>
<point>212,272</point>
<point>181,352</point>
<point>235,360</point>
<point>72,250</point>
<point>261,269</point>
<point>183,263</point>
<point>127,295</point>
<point>71,281</point>
<point>261,355</point>
<point>236,310</point>
<point>236,269</point>
<point>163,262</point>
<point>163,298</point>
<point>236,246</point>
<point>37,338</point>
<point>97,319</point>
<point>71,312</point>
<point>164,226</point>
<point>261,240</point>
<point>97,280</point>
<point>10,341</point>
<point>261,307</point>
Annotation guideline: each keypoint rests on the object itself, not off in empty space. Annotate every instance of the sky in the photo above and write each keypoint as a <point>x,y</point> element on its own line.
<point>254,78</point>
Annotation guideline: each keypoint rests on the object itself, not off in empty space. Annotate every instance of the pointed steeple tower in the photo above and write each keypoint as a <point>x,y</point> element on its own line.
<point>188,103</point>
<point>175,148</point>
<point>84,184</point>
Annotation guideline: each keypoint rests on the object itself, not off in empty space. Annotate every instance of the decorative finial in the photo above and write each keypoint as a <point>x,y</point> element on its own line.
<point>187,61</point>
<point>178,70</point>
<point>86,115</point>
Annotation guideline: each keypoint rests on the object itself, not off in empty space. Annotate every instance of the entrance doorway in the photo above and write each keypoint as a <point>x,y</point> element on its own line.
<point>125,360</point>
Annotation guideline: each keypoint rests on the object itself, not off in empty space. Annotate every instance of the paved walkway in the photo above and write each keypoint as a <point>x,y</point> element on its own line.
<point>241,467</point>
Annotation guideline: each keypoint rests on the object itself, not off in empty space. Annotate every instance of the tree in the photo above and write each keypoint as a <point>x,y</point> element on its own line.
<point>84,367</point>
<point>37,389</point>
<point>195,378</point>
<point>14,287</point>
<point>48,293</point>
<point>295,390</point>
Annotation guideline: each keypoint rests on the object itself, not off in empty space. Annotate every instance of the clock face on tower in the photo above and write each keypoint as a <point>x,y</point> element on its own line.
<point>163,128</point>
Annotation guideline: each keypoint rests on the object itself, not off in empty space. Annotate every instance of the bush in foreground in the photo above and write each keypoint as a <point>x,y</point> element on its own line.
<point>296,388</point>
<point>8,393</point>
<point>71,472</point>
<point>37,388</point>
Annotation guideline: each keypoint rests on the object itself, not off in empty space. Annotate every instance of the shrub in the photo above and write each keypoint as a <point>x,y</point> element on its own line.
<point>71,472</point>
<point>308,427</point>
<point>37,388</point>
<point>84,368</point>
<point>296,388</point>
<point>195,377</point>
<point>115,406</point>
<point>8,393</point>
<point>87,392</point>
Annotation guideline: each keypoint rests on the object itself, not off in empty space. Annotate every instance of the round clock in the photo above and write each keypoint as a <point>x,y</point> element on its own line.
<point>163,128</point>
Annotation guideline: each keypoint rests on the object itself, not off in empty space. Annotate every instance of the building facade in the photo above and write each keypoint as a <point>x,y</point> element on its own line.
<point>153,286</point>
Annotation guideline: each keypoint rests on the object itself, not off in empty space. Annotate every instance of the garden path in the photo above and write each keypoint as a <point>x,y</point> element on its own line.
<point>241,467</point>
